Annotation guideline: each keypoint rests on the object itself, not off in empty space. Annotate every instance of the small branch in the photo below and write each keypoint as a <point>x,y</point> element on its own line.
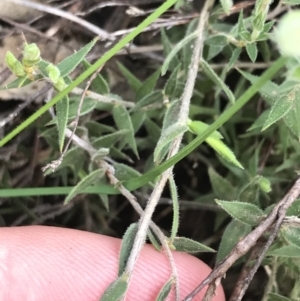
<point>243,246</point>
<point>104,98</point>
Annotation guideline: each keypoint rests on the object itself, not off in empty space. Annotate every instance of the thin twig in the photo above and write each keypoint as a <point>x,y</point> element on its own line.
<point>58,12</point>
<point>76,121</point>
<point>109,99</point>
<point>183,116</point>
<point>131,198</point>
<point>244,245</point>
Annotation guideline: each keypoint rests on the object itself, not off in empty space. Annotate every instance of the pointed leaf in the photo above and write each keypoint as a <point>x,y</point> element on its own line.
<point>148,85</point>
<point>124,172</point>
<point>133,81</point>
<point>67,65</point>
<point>115,290</point>
<point>109,140</point>
<point>221,187</point>
<point>154,240</point>
<point>62,113</point>
<point>88,106</point>
<point>216,40</point>
<point>126,246</point>
<point>165,290</point>
<point>244,212</point>
<point>252,51</point>
<point>151,100</point>
<point>123,121</point>
<point>233,233</point>
<point>226,5</point>
<point>291,234</point>
<point>175,202</point>
<point>99,84</point>
<point>175,50</point>
<point>289,251</point>
<point>294,209</point>
<point>217,80</point>
<point>171,83</point>
<point>168,48</point>
<point>277,297</point>
<point>198,127</point>
<point>269,89</point>
<point>17,83</point>
<point>223,150</point>
<point>166,137</point>
<point>280,108</point>
<point>183,244</point>
<point>234,57</point>
<point>86,182</point>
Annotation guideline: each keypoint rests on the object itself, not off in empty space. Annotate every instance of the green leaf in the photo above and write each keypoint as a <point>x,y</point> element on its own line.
<point>292,117</point>
<point>280,108</point>
<point>123,121</point>
<point>17,83</point>
<point>62,113</point>
<point>88,106</point>
<point>277,297</point>
<point>216,40</point>
<point>148,85</point>
<point>289,251</point>
<point>226,5</point>
<point>252,51</point>
<point>171,83</point>
<point>124,172</point>
<point>167,45</point>
<point>244,212</point>
<point>126,247</point>
<point>234,57</point>
<point>165,290</point>
<point>233,233</point>
<point>99,84</point>
<point>294,209</point>
<point>223,150</point>
<point>151,100</point>
<point>109,140</point>
<point>67,65</point>
<point>133,81</point>
<point>217,80</point>
<point>291,2</point>
<point>86,182</point>
<point>175,203</point>
<point>154,240</point>
<point>269,89</point>
<point>167,136</point>
<point>115,290</point>
<point>183,244</point>
<point>249,192</point>
<point>221,187</point>
<point>175,50</point>
<point>198,127</point>
<point>291,234</point>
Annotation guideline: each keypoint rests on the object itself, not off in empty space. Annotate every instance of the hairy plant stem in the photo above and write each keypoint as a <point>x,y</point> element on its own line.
<point>183,117</point>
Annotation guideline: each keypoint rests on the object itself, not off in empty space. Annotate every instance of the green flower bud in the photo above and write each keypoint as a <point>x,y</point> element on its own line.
<point>31,55</point>
<point>265,184</point>
<point>287,34</point>
<point>60,85</point>
<point>54,73</point>
<point>14,65</point>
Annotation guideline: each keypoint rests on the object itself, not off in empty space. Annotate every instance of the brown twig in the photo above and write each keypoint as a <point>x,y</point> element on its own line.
<point>276,216</point>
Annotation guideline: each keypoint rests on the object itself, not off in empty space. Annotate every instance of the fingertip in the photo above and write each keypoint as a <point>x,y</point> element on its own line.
<point>58,264</point>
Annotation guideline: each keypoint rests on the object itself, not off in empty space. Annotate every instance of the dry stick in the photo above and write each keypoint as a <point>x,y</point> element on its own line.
<point>281,215</point>
<point>246,269</point>
<point>58,12</point>
<point>243,246</point>
<point>129,196</point>
<point>183,116</point>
